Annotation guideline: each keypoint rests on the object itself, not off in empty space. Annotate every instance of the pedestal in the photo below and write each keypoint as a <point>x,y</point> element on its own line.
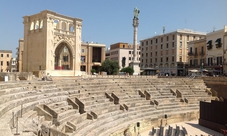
<point>136,67</point>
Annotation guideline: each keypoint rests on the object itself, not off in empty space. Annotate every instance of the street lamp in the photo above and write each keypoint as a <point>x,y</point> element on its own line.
<point>202,69</point>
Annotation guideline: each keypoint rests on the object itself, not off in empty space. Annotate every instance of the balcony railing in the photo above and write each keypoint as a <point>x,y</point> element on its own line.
<point>190,53</point>
<point>202,53</point>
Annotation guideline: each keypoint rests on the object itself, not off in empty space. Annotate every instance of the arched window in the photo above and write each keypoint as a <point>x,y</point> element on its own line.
<point>63,26</point>
<point>32,26</point>
<point>71,28</point>
<point>41,24</point>
<point>37,24</point>
<point>56,23</point>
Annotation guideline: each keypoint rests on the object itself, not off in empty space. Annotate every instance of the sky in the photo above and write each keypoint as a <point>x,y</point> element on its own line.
<point>110,21</point>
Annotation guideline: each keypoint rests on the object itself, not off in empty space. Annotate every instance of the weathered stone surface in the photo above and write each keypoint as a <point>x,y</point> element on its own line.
<point>57,105</point>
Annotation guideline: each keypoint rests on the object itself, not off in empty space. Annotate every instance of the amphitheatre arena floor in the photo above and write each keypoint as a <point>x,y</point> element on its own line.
<point>193,129</point>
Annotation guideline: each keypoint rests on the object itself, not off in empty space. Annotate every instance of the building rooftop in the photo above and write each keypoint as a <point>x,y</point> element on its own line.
<point>93,44</point>
<point>6,51</point>
<point>187,31</point>
<point>52,13</point>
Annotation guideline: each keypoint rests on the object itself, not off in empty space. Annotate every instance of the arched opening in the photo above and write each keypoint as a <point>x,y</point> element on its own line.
<point>32,26</point>
<point>41,24</point>
<point>63,26</point>
<point>71,28</point>
<point>56,24</point>
<point>63,57</point>
<point>37,25</point>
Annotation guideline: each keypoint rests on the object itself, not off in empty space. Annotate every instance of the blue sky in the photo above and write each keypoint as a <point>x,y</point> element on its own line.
<point>110,21</point>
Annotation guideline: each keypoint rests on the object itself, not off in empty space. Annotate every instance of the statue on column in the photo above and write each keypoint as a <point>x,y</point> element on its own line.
<point>136,13</point>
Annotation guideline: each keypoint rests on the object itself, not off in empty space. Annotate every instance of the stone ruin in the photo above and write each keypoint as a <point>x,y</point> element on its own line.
<point>99,106</point>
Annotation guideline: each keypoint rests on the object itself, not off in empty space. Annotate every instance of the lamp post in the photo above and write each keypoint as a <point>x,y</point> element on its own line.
<point>202,69</point>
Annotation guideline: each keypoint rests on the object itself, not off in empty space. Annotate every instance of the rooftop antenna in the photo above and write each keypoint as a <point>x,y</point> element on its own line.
<point>214,28</point>
<point>185,23</point>
<point>163,29</point>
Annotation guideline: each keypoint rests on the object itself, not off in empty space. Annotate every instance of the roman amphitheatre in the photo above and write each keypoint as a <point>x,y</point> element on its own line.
<point>98,105</point>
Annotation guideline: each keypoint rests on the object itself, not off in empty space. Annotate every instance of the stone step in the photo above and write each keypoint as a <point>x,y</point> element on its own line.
<point>96,105</point>
<point>22,101</point>
<point>14,90</point>
<point>110,113</point>
<point>63,121</point>
<point>104,124</point>
<point>13,96</point>
<point>61,105</point>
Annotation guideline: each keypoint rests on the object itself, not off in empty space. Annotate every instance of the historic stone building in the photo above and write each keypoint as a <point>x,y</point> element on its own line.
<point>197,54</point>
<point>5,60</point>
<point>52,44</point>
<point>167,54</point>
<point>123,53</point>
<point>216,42</point>
<point>20,50</point>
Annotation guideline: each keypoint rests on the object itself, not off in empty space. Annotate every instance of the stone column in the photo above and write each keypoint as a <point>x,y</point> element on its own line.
<point>135,63</point>
<point>89,59</point>
<point>103,54</point>
<point>135,26</point>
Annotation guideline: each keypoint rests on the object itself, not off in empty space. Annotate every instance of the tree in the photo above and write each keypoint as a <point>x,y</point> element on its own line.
<point>128,70</point>
<point>109,66</point>
<point>93,71</point>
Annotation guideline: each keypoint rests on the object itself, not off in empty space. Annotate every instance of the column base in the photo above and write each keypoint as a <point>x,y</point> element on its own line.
<point>136,68</point>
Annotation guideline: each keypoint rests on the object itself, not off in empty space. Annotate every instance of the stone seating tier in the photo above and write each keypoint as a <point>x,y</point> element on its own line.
<point>102,115</point>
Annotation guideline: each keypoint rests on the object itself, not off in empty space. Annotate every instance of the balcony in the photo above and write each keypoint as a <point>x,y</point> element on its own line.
<point>202,53</point>
<point>190,53</point>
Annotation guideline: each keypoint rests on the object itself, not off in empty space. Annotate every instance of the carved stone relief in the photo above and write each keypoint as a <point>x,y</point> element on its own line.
<point>57,38</point>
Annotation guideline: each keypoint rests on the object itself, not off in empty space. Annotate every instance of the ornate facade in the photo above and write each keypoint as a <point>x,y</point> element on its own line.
<point>52,44</point>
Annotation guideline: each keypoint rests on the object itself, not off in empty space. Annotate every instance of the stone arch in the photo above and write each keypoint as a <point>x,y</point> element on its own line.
<point>63,40</point>
<point>63,56</point>
<point>63,26</point>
